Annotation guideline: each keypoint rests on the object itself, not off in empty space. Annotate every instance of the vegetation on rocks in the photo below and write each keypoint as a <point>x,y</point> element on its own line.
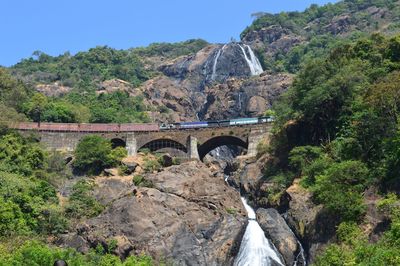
<point>337,129</point>
<point>36,253</point>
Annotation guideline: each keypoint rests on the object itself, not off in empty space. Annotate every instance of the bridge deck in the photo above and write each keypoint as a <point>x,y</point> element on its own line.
<point>106,128</point>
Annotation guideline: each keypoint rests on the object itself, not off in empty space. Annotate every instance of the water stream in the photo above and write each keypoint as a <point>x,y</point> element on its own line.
<point>255,249</point>
<point>253,62</point>
<point>214,69</point>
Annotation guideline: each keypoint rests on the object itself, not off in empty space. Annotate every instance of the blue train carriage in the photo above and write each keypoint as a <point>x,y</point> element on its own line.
<point>243,121</point>
<point>188,125</point>
<point>218,123</point>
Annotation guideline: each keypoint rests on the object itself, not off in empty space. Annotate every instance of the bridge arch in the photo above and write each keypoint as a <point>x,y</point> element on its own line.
<point>170,146</point>
<point>117,142</point>
<point>219,141</point>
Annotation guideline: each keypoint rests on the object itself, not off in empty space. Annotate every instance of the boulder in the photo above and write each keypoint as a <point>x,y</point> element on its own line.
<point>130,166</point>
<point>279,233</point>
<point>166,160</point>
<point>111,172</point>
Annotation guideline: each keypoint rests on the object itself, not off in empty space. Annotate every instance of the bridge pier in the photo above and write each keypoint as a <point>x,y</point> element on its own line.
<point>131,144</point>
<point>193,152</point>
<point>256,136</point>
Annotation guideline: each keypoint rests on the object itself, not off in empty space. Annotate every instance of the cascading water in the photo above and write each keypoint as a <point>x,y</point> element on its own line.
<point>255,249</point>
<point>253,62</point>
<point>214,69</point>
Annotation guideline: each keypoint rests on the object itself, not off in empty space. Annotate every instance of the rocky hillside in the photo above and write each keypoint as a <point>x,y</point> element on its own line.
<point>185,214</point>
<point>284,41</point>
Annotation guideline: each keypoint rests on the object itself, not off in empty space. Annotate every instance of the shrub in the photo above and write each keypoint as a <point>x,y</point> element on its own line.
<point>81,202</point>
<point>340,189</point>
<point>37,253</point>
<point>231,211</point>
<point>117,155</point>
<point>140,181</point>
<point>151,165</point>
<point>93,154</point>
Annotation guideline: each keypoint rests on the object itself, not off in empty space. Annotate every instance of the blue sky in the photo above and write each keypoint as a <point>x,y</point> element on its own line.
<point>56,26</point>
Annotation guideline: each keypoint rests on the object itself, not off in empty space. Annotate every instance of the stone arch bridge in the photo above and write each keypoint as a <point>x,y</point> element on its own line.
<point>185,143</point>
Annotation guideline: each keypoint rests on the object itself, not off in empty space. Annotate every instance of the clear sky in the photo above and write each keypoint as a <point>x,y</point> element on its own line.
<point>56,26</point>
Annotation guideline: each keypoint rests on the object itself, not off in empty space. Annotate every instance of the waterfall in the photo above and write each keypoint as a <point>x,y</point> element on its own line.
<point>255,249</point>
<point>214,69</point>
<point>300,257</point>
<point>253,62</point>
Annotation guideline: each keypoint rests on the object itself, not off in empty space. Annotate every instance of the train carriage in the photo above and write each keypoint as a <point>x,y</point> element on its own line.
<point>243,121</point>
<point>188,125</point>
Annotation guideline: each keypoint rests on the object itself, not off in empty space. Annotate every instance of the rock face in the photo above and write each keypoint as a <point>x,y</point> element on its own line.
<point>245,98</point>
<point>53,90</point>
<point>273,40</point>
<point>113,85</point>
<point>188,88</point>
<point>183,219</point>
<point>214,63</point>
<point>279,233</point>
<point>315,227</point>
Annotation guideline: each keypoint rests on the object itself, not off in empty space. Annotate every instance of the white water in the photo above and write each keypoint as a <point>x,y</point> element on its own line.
<point>300,256</point>
<point>253,62</point>
<point>214,69</point>
<point>255,249</point>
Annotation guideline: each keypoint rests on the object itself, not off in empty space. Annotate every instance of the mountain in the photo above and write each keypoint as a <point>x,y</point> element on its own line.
<point>189,80</point>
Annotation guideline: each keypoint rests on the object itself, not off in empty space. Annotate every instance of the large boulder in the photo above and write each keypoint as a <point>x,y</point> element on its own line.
<point>279,233</point>
<point>189,217</point>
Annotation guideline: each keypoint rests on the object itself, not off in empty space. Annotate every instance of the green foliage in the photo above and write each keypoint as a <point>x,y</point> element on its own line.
<point>340,189</point>
<point>231,211</point>
<point>12,92</point>
<point>29,205</point>
<point>117,107</point>
<point>35,253</point>
<point>141,181</point>
<point>151,165</point>
<point>350,233</point>
<point>82,203</point>
<point>17,155</point>
<point>117,154</point>
<point>303,156</point>
<point>100,63</point>
<point>355,250</point>
<point>94,153</point>
<point>176,161</point>
<point>11,219</point>
<point>390,205</point>
<point>317,26</point>
<point>172,50</point>
<point>36,106</point>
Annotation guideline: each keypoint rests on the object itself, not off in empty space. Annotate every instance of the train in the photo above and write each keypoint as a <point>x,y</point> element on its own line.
<point>132,127</point>
<point>217,123</point>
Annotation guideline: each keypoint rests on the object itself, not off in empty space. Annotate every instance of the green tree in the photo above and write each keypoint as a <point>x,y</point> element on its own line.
<point>36,106</point>
<point>340,189</point>
<point>92,154</point>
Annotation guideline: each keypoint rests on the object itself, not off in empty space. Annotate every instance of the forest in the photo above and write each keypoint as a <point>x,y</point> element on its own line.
<point>337,130</point>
